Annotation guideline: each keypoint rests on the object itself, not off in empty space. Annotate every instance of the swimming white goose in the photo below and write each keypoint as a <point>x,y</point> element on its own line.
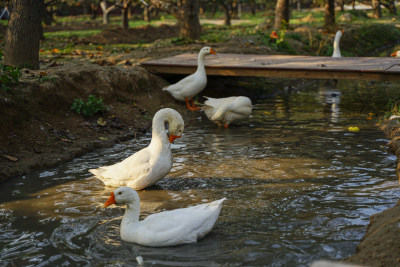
<point>396,54</point>
<point>223,111</point>
<point>188,87</point>
<point>152,163</point>
<point>336,48</point>
<point>167,228</point>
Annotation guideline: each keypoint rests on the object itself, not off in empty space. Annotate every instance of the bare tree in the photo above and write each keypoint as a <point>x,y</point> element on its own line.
<point>282,13</point>
<point>107,10</point>
<point>22,36</point>
<point>329,15</point>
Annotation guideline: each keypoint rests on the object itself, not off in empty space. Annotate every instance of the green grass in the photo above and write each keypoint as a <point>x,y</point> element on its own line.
<point>71,33</point>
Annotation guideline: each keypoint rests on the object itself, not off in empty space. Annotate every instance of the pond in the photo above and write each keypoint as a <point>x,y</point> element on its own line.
<point>299,187</point>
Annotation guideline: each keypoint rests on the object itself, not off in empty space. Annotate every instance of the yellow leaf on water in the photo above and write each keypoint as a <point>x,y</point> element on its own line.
<point>103,138</point>
<point>353,129</point>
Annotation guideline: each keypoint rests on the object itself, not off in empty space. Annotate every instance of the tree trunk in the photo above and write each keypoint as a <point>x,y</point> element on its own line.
<point>329,15</point>
<point>146,14</point>
<point>280,10</point>
<point>106,11</point>
<point>190,27</point>
<point>22,37</point>
<point>342,5</point>
<point>286,14</point>
<point>124,17</point>
<point>376,9</point>
<point>125,13</point>
<point>227,12</point>
<point>93,8</point>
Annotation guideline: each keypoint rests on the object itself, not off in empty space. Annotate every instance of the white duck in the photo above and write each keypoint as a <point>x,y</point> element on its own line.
<point>396,54</point>
<point>152,163</point>
<point>167,228</point>
<point>188,87</point>
<point>336,48</point>
<point>223,111</point>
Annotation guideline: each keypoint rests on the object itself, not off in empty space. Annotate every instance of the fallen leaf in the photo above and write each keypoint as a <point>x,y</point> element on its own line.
<point>353,129</point>
<point>99,48</point>
<point>101,122</point>
<point>10,158</point>
<point>369,118</point>
<point>103,138</point>
<point>55,50</point>
<point>65,140</point>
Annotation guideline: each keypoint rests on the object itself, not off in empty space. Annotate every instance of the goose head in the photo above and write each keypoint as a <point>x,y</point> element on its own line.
<point>175,129</point>
<point>122,196</point>
<point>207,51</point>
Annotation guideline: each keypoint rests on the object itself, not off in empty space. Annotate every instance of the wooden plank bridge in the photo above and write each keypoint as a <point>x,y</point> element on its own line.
<point>283,66</point>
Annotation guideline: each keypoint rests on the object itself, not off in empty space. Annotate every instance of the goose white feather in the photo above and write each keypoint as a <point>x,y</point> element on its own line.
<point>168,228</point>
<point>224,111</point>
<point>336,47</point>
<point>152,163</point>
<point>187,88</point>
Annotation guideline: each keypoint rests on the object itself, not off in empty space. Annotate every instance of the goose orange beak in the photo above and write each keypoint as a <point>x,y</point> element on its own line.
<point>393,54</point>
<point>173,137</point>
<point>111,200</point>
<point>212,51</point>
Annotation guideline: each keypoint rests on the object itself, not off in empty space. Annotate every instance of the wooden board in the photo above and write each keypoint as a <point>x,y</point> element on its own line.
<point>283,66</point>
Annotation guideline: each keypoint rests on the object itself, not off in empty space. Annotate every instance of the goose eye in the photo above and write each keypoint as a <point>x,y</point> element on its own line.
<point>119,193</point>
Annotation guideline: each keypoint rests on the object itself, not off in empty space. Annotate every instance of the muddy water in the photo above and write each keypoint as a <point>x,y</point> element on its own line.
<point>299,187</point>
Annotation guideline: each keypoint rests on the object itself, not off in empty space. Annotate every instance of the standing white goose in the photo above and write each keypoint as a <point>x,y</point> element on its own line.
<point>152,163</point>
<point>188,87</point>
<point>223,111</point>
<point>168,228</point>
<point>336,48</point>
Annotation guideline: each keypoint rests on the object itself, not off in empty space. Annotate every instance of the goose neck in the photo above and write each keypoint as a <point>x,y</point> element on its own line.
<point>200,62</point>
<point>132,213</point>
<point>159,134</point>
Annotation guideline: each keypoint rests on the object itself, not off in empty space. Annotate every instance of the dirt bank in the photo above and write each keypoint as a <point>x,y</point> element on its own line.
<point>39,129</point>
<point>380,245</point>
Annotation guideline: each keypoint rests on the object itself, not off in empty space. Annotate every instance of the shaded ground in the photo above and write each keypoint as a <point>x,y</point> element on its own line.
<point>40,130</point>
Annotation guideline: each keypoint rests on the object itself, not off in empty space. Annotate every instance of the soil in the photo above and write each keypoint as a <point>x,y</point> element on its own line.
<point>40,130</point>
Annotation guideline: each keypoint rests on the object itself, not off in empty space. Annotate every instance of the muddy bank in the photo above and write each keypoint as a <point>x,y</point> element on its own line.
<point>40,130</point>
<point>380,245</point>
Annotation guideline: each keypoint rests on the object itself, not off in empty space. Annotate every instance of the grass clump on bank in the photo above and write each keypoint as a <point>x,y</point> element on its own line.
<point>94,105</point>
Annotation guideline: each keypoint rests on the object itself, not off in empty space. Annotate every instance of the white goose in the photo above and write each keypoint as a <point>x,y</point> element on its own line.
<point>396,54</point>
<point>223,111</point>
<point>336,48</point>
<point>168,228</point>
<point>188,87</point>
<point>152,163</point>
